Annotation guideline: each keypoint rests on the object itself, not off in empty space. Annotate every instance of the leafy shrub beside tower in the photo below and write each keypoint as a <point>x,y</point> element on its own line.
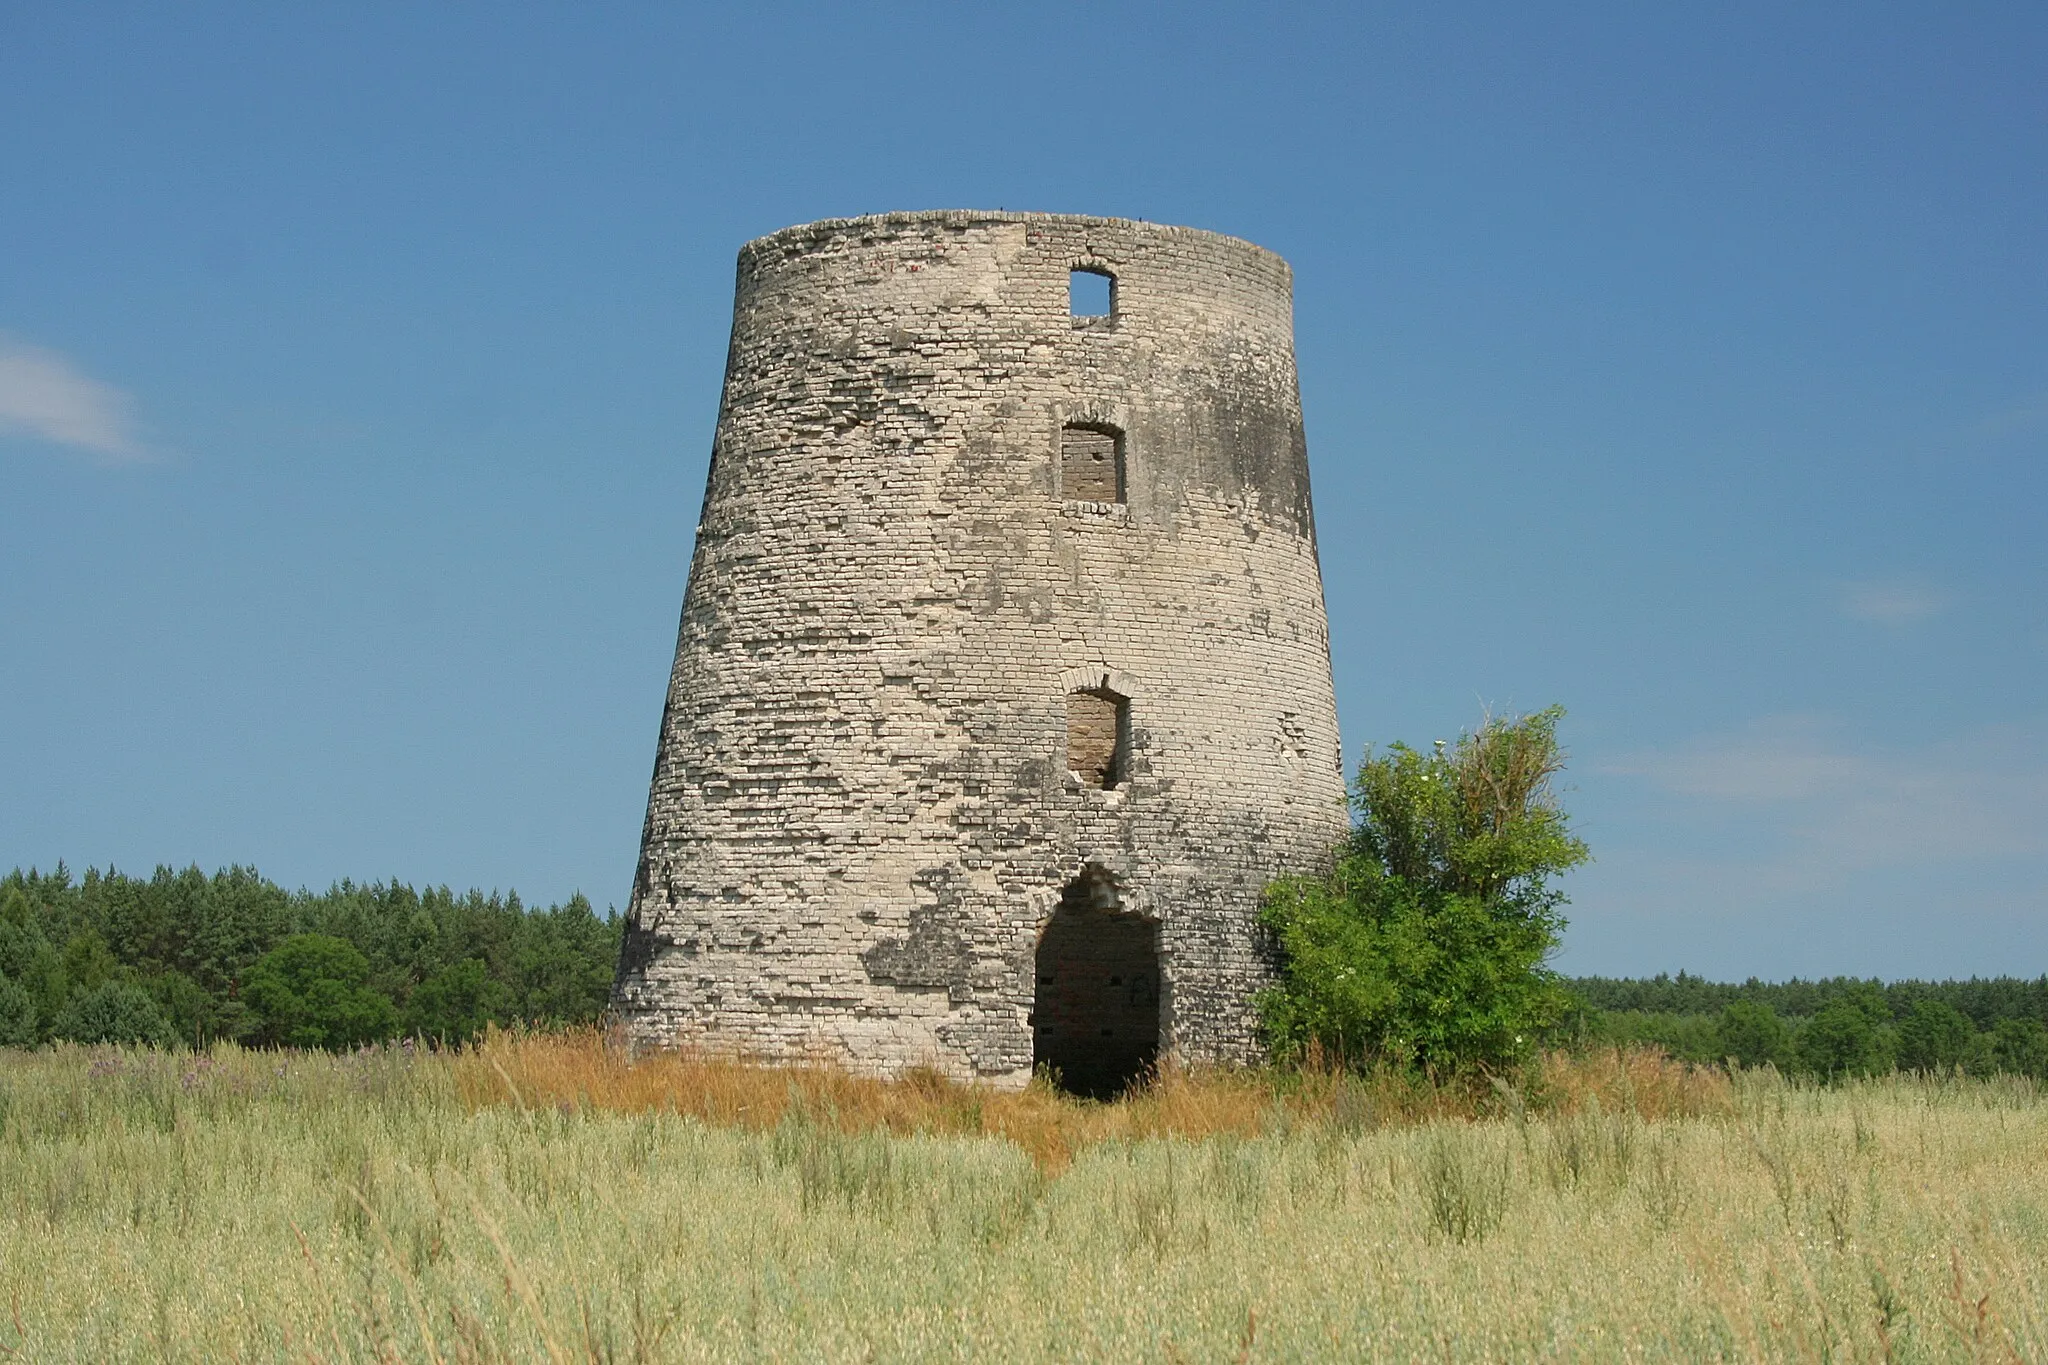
<point>1427,945</point>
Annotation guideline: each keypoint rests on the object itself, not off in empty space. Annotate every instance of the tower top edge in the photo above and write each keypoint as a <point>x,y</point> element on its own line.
<point>798,234</point>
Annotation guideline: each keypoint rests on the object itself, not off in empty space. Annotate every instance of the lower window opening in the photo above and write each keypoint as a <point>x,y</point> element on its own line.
<point>1099,737</point>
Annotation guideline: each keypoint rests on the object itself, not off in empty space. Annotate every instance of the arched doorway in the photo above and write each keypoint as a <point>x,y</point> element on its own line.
<point>1095,1019</point>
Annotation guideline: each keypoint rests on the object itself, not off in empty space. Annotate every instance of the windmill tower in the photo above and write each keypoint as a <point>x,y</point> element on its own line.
<point>1003,681</point>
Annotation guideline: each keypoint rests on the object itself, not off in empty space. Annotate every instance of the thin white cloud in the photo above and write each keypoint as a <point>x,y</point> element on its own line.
<point>1828,810</point>
<point>1783,758</point>
<point>1892,601</point>
<point>44,395</point>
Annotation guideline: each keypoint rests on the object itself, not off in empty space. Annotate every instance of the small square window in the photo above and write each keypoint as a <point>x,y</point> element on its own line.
<point>1091,293</point>
<point>1091,463</point>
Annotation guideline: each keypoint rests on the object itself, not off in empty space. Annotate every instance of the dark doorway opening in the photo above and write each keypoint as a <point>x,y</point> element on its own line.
<point>1095,1021</point>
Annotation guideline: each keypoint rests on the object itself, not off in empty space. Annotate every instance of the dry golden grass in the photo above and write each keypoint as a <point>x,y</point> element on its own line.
<point>584,1069</point>
<point>545,1199</point>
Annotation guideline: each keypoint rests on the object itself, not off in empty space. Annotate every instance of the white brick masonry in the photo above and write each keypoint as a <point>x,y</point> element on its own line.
<point>861,814</point>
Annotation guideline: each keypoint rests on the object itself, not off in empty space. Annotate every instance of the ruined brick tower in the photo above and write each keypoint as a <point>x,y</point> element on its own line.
<point>1003,681</point>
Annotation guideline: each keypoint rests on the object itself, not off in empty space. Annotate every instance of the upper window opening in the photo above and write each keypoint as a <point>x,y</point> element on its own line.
<point>1091,293</point>
<point>1091,463</point>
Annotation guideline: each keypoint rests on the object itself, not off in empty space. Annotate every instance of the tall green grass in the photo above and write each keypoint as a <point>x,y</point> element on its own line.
<point>393,1206</point>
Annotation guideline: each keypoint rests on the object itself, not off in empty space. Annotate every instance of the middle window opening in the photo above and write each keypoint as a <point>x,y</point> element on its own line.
<point>1091,462</point>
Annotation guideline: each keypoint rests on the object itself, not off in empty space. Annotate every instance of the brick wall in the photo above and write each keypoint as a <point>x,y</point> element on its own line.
<point>862,814</point>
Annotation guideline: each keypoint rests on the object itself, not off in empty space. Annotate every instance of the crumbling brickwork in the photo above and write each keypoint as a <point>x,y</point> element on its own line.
<point>863,816</point>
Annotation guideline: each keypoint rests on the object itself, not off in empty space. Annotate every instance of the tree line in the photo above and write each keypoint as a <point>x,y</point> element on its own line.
<point>1985,999</point>
<point>1833,1027</point>
<point>183,957</point>
<point>1425,946</point>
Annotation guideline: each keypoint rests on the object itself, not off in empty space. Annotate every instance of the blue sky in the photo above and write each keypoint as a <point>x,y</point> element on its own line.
<point>1681,364</point>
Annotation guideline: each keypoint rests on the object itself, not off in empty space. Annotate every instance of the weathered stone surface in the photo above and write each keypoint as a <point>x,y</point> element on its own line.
<point>862,816</point>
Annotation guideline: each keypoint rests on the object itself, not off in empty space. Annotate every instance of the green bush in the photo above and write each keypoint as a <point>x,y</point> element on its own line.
<point>113,1012</point>
<point>19,938</point>
<point>1849,1036</point>
<point>30,962</point>
<point>566,967</point>
<point>455,1004</point>
<point>1935,1036</point>
<point>2020,1047</point>
<point>1426,944</point>
<point>17,1015</point>
<point>88,962</point>
<point>187,1007</point>
<point>1691,1037</point>
<point>312,991</point>
<point>1750,1034</point>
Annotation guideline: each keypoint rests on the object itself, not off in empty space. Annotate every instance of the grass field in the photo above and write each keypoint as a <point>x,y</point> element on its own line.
<point>543,1199</point>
